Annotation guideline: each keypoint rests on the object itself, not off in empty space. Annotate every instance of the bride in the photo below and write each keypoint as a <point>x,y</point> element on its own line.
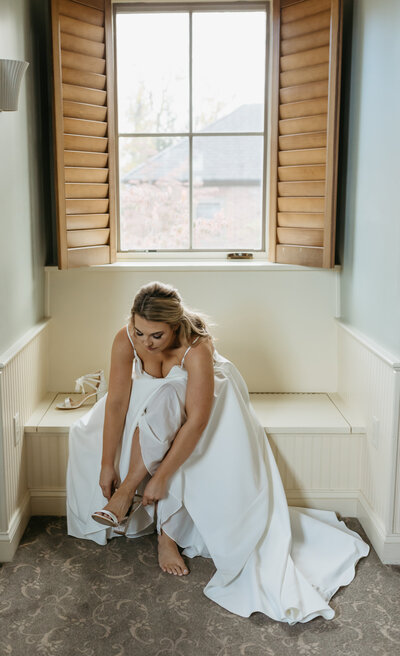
<point>177,447</point>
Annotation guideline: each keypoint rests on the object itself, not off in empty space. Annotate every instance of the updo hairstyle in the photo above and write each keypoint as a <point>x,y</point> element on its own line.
<point>157,301</point>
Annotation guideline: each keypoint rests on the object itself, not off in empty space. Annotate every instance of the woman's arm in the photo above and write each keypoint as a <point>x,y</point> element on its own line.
<point>116,408</point>
<point>199,399</point>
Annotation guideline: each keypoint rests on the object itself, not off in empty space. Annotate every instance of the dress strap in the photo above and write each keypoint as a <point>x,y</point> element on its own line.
<point>188,349</point>
<point>129,337</point>
<point>137,361</point>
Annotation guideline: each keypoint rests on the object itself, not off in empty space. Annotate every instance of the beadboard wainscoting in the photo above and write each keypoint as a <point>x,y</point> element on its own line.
<point>23,383</point>
<point>318,471</point>
<point>369,391</point>
<point>336,451</point>
<point>318,452</point>
<point>46,434</point>
<point>48,458</point>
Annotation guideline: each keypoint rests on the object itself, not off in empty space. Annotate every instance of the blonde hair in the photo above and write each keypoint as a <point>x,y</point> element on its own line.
<point>157,301</point>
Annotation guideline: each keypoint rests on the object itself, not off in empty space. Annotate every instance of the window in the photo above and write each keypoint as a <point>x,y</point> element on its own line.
<point>191,127</point>
<point>208,210</point>
<point>191,141</point>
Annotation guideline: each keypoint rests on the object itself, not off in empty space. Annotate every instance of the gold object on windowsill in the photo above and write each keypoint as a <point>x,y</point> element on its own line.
<point>240,256</point>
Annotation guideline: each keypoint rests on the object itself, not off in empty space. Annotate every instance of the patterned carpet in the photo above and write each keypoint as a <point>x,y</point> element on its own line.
<point>63,596</point>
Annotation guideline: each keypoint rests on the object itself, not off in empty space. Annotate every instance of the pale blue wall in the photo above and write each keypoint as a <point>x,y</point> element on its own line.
<point>22,211</point>
<point>370,282</point>
<point>370,244</point>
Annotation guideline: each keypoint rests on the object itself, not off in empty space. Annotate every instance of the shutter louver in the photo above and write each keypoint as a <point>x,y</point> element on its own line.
<point>304,138</point>
<point>84,134</point>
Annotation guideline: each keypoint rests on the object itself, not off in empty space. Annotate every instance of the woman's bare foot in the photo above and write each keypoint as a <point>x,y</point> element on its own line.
<point>169,558</point>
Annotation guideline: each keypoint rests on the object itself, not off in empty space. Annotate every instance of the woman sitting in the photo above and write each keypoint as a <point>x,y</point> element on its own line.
<point>182,434</point>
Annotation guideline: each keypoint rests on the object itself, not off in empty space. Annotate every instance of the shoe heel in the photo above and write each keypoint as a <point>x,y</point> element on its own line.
<point>102,388</point>
<point>123,525</point>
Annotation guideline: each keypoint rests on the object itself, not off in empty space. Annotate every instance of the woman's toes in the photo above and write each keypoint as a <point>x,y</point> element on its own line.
<point>176,570</point>
<point>169,557</point>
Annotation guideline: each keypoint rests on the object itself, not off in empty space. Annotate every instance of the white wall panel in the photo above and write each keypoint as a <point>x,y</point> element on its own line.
<point>367,385</point>
<point>47,457</point>
<point>318,462</point>
<point>396,428</point>
<point>308,464</point>
<point>276,325</point>
<point>23,379</point>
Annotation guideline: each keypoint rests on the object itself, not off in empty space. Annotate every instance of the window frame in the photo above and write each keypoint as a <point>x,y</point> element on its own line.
<point>198,6</point>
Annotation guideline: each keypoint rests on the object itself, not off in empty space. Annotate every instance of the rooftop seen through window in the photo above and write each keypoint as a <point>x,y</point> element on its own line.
<point>191,113</point>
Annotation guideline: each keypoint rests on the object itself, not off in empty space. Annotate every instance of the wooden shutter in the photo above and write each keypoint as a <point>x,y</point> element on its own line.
<point>84,134</point>
<point>304,138</point>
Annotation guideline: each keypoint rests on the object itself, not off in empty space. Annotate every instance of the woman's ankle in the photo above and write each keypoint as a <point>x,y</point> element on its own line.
<point>129,487</point>
<point>166,538</point>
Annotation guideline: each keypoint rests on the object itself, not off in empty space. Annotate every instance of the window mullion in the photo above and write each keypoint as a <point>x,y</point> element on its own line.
<point>265,140</point>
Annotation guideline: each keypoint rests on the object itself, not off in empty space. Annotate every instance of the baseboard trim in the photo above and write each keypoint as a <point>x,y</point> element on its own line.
<point>9,540</point>
<point>344,503</point>
<point>386,546</point>
<point>53,501</point>
<point>350,503</point>
<point>48,502</point>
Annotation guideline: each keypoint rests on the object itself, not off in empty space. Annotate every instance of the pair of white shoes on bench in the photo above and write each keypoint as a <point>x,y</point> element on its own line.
<point>96,382</point>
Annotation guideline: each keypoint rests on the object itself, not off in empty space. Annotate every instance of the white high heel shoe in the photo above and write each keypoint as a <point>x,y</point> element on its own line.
<point>96,381</point>
<point>108,518</point>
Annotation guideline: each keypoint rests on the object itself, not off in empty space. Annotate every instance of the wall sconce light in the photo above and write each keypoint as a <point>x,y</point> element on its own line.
<point>11,74</point>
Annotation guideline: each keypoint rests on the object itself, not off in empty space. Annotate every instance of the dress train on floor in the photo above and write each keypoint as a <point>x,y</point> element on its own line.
<point>226,502</point>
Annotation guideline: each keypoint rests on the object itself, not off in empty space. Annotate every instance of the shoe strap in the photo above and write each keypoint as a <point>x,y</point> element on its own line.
<point>91,380</point>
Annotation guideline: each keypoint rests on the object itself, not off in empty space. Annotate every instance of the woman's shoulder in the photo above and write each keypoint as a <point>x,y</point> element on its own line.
<point>199,351</point>
<point>123,341</point>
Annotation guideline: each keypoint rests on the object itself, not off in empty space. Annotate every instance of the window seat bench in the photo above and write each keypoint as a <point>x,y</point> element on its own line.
<point>317,445</point>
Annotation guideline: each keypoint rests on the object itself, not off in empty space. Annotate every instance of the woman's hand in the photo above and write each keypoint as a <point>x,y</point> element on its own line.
<point>108,480</point>
<point>155,490</point>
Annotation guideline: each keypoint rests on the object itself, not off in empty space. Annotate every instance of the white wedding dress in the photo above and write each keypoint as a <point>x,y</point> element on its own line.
<point>226,501</point>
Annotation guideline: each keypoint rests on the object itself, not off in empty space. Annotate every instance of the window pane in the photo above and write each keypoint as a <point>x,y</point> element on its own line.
<point>154,193</point>
<point>227,192</point>
<point>153,72</point>
<point>228,70</point>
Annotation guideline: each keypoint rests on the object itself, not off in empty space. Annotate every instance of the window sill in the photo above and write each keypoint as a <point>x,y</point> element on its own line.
<point>197,265</point>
